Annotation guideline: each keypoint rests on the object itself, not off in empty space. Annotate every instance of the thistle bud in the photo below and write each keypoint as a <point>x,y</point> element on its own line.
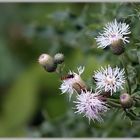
<point>126,100</point>
<point>47,62</point>
<point>117,47</point>
<point>59,58</point>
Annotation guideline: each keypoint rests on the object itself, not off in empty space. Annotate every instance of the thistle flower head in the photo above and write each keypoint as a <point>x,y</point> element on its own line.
<point>90,105</point>
<point>73,82</point>
<point>109,79</point>
<point>113,32</point>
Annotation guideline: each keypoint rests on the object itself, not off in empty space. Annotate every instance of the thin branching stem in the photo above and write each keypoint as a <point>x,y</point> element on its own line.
<point>126,73</point>
<point>113,104</point>
<point>114,100</point>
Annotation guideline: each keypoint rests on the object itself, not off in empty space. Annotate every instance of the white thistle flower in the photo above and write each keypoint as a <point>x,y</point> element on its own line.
<point>113,31</point>
<point>90,105</point>
<point>73,82</point>
<point>109,79</point>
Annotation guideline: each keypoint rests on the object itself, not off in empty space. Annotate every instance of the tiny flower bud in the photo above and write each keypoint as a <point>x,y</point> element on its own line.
<point>126,100</point>
<point>59,58</point>
<point>117,47</point>
<point>47,62</point>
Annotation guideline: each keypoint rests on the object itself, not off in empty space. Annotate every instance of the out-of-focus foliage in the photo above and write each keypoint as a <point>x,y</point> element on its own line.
<point>31,104</point>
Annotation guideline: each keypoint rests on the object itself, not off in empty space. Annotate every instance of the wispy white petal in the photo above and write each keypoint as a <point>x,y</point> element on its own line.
<point>113,31</point>
<point>109,79</point>
<point>67,84</point>
<point>90,106</point>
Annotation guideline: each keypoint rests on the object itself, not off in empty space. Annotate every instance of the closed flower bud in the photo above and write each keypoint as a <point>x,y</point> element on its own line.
<point>117,47</point>
<point>47,62</point>
<point>59,58</point>
<point>126,100</point>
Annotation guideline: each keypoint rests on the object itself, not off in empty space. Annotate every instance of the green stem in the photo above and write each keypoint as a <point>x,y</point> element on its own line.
<point>134,94</point>
<point>126,73</point>
<point>59,70</point>
<point>114,100</point>
<point>132,115</point>
<point>136,97</point>
<point>113,104</point>
<point>136,102</point>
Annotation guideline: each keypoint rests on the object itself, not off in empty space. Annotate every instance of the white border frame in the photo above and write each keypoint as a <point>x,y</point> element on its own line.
<point>67,1</point>
<point>70,1</point>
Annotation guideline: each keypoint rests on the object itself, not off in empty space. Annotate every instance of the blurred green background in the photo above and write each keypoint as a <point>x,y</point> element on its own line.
<point>30,100</point>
